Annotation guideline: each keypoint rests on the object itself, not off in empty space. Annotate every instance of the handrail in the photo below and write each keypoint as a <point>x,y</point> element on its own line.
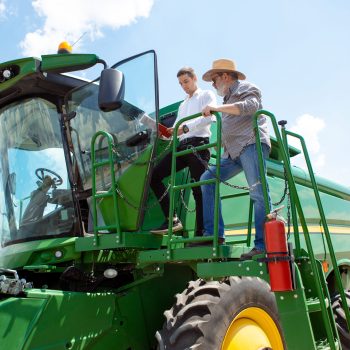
<point>112,192</point>
<point>325,225</point>
<point>293,209</point>
<point>292,187</point>
<point>174,187</point>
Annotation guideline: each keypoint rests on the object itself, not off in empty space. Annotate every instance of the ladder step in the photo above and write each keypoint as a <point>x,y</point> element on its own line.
<point>100,164</point>
<point>314,305</point>
<point>103,194</point>
<point>107,228</point>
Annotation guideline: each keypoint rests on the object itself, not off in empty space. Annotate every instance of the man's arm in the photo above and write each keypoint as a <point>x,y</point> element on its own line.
<point>249,102</point>
<point>232,109</point>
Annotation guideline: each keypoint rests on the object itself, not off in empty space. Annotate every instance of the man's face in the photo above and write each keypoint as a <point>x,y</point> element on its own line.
<point>220,83</point>
<point>188,84</point>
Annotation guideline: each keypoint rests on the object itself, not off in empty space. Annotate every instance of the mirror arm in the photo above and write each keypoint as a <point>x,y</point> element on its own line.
<point>103,62</point>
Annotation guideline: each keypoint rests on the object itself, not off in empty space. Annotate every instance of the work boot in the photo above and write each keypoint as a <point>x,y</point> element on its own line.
<point>253,252</point>
<point>163,229</point>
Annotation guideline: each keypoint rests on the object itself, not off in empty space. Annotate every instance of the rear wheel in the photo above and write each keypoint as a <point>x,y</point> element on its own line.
<point>340,320</point>
<point>231,315</point>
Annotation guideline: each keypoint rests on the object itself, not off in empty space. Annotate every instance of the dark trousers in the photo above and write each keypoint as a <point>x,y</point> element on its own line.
<point>163,169</point>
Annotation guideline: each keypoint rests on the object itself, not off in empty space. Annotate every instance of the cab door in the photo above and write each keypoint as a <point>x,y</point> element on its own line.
<point>133,129</point>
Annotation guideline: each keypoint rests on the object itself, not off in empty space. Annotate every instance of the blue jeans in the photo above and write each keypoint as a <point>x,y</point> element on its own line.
<point>248,162</point>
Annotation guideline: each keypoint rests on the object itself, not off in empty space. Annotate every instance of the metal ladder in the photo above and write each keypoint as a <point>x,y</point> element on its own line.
<point>178,187</point>
<point>318,300</point>
<point>112,192</point>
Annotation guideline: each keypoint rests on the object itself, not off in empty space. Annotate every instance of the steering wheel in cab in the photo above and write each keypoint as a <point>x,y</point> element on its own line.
<point>43,175</point>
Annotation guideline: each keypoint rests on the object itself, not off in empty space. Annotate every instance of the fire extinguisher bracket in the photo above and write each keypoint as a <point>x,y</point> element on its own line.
<point>276,258</point>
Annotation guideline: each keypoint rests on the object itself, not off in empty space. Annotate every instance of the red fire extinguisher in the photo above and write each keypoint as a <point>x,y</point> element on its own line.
<point>278,257</point>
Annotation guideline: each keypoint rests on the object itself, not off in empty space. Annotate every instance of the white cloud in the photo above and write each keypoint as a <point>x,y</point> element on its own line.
<point>67,20</point>
<point>2,7</point>
<point>309,127</point>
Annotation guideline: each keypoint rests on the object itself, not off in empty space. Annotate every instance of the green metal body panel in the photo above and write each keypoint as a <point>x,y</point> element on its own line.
<point>67,62</point>
<point>47,63</point>
<point>132,184</point>
<point>38,253</point>
<point>27,66</point>
<point>48,319</point>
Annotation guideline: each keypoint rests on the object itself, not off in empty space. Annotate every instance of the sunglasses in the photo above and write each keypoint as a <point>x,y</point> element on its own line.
<point>215,77</point>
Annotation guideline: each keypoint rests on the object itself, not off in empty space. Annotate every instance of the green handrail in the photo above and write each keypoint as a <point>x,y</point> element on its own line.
<point>293,209</point>
<point>325,225</point>
<point>174,187</point>
<point>261,161</point>
<point>296,199</point>
<point>112,191</point>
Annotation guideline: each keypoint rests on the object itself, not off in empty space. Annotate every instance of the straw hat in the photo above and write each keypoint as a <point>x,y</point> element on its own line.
<point>222,65</point>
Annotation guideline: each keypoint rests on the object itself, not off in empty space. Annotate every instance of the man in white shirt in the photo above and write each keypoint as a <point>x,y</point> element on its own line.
<point>194,133</point>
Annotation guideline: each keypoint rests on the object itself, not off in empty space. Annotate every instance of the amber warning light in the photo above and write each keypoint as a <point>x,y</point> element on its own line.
<point>64,47</point>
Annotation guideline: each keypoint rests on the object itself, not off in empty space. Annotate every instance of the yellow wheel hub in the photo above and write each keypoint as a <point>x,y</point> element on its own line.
<point>252,329</point>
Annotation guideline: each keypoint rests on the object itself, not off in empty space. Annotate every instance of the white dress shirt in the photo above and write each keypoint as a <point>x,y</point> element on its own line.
<point>199,127</point>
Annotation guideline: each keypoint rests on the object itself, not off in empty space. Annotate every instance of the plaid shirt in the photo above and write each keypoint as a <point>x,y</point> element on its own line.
<point>238,130</point>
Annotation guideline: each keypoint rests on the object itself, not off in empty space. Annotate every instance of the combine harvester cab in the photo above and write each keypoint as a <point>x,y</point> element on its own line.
<point>79,268</point>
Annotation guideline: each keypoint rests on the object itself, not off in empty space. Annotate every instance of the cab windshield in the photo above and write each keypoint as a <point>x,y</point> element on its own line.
<point>35,195</point>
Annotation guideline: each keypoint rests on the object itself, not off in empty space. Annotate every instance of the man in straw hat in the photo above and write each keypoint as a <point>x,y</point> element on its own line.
<point>241,100</point>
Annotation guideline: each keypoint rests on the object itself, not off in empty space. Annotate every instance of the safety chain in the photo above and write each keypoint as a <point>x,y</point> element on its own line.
<point>120,193</point>
<point>128,159</point>
<point>155,159</point>
<point>288,215</point>
<point>206,165</point>
<point>285,192</point>
<point>150,206</point>
<point>184,203</point>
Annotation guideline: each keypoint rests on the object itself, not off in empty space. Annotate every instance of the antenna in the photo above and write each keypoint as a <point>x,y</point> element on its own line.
<point>81,36</point>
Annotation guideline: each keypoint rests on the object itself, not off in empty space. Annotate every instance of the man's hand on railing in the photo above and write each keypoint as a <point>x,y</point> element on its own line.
<point>207,111</point>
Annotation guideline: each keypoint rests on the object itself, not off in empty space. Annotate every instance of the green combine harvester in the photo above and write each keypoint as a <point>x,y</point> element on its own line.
<point>79,268</point>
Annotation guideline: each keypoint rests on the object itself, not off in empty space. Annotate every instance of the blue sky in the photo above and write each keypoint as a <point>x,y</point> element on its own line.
<point>296,51</point>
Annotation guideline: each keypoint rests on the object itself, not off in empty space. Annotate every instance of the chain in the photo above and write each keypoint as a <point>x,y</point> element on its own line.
<point>288,215</point>
<point>129,160</point>
<point>150,206</point>
<point>285,192</point>
<point>155,159</point>
<point>206,165</point>
<point>121,195</point>
<point>184,203</point>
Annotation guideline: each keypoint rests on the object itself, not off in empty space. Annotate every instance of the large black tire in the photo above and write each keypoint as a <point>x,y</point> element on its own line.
<point>340,320</point>
<point>203,313</point>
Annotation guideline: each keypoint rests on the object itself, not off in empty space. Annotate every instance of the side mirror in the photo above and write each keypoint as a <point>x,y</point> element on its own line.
<point>111,90</point>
